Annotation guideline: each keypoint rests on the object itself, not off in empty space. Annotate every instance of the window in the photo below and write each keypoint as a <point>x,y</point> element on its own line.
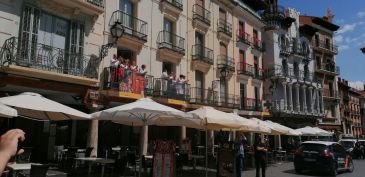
<point>169,67</point>
<point>316,38</point>
<point>127,7</point>
<point>256,66</point>
<point>241,28</point>
<point>168,28</point>
<point>257,98</point>
<point>243,95</point>
<point>296,69</point>
<point>199,84</point>
<point>242,60</point>
<point>328,43</point>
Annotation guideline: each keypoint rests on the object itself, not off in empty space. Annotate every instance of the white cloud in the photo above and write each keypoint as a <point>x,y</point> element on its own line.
<point>357,85</point>
<point>338,38</point>
<point>347,28</point>
<point>343,47</point>
<point>361,14</point>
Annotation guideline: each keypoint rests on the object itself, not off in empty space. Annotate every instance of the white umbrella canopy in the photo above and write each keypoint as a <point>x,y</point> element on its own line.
<point>249,125</point>
<point>213,119</point>
<point>289,131</point>
<point>35,106</point>
<point>145,111</point>
<point>6,111</point>
<point>322,132</point>
<point>275,130</point>
<point>313,131</point>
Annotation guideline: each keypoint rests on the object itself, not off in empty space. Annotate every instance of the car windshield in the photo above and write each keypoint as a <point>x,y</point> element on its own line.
<point>313,147</point>
<point>348,144</point>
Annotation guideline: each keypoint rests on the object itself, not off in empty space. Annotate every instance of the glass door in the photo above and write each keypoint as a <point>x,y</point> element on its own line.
<point>199,86</point>
<point>199,41</point>
<point>167,35</point>
<point>127,8</point>
<point>243,95</point>
<point>29,35</point>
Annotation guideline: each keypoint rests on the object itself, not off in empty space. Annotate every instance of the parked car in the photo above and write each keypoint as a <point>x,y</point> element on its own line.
<point>322,156</point>
<point>348,144</point>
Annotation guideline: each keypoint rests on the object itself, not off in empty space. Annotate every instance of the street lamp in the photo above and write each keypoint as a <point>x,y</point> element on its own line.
<point>224,72</point>
<point>117,31</point>
<point>363,50</point>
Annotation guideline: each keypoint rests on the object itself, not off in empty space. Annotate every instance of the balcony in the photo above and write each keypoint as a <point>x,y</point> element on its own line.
<point>125,83</point>
<point>172,7</point>
<point>285,50</point>
<point>202,57</point>
<point>244,38</point>
<point>276,17</point>
<point>42,61</point>
<point>171,46</point>
<point>171,89</point>
<point>278,106</point>
<point>328,68</point>
<point>258,44</point>
<point>330,94</point>
<point>302,76</point>
<point>245,69</point>
<point>226,63</point>
<point>201,17</point>
<point>250,104</point>
<point>229,101</point>
<point>202,96</point>
<point>135,30</point>
<point>258,74</point>
<point>325,46</point>
<point>224,30</point>
<point>89,7</point>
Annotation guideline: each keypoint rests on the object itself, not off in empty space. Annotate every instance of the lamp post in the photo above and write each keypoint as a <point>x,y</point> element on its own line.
<point>117,31</point>
<point>363,50</point>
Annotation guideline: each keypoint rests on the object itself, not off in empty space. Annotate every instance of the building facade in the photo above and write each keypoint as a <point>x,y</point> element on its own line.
<point>193,53</point>
<point>326,71</point>
<point>294,93</point>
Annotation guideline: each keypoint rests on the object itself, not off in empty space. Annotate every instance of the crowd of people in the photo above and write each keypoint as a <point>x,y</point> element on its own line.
<point>171,85</point>
<point>126,75</point>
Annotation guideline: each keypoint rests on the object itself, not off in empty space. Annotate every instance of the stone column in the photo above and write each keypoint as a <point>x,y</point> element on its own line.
<point>321,101</point>
<point>285,97</point>
<point>317,101</point>
<point>92,140</point>
<point>73,132</point>
<point>144,140</point>
<point>290,97</point>
<point>297,97</point>
<point>183,133</point>
<point>304,88</point>
<point>311,98</point>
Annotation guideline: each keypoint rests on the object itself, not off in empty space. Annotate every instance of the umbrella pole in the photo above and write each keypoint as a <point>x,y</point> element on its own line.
<point>206,153</point>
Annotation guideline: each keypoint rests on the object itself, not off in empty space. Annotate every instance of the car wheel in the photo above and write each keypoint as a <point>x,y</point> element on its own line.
<point>351,166</point>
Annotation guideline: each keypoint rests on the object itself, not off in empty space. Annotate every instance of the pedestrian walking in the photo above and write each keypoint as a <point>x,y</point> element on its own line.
<point>240,154</point>
<point>260,147</point>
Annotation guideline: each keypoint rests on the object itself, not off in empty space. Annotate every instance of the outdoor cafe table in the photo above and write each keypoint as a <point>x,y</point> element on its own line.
<point>96,160</point>
<point>16,167</point>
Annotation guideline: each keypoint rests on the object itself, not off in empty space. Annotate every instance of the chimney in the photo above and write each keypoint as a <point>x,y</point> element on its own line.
<point>329,16</point>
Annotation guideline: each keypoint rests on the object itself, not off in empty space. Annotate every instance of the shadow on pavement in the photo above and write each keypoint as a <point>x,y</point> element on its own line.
<point>304,173</point>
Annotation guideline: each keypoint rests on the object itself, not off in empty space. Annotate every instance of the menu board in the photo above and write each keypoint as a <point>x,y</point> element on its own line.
<point>164,159</point>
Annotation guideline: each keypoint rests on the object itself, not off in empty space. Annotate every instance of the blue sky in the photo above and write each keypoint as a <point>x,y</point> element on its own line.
<point>350,16</point>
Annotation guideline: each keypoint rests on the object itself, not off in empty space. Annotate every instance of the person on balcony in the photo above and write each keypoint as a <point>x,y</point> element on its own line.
<point>164,78</point>
<point>180,87</point>
<point>142,70</point>
<point>114,64</point>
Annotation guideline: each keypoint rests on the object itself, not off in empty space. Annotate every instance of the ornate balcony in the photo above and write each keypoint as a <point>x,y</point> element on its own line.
<point>135,30</point>
<point>172,7</point>
<point>172,46</point>
<point>202,57</point>
<point>258,74</point>
<point>251,104</point>
<point>90,7</point>
<point>258,44</point>
<point>278,106</point>
<point>244,38</point>
<point>288,73</point>
<point>245,69</point>
<point>203,96</point>
<point>325,46</point>
<point>229,101</point>
<point>124,83</point>
<point>224,30</point>
<point>227,63</point>
<point>38,60</point>
<point>171,89</point>
<point>328,68</point>
<point>201,17</point>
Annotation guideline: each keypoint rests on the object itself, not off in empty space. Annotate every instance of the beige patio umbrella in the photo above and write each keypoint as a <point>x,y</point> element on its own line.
<point>248,125</point>
<point>275,130</point>
<point>6,111</point>
<point>35,106</point>
<point>288,131</point>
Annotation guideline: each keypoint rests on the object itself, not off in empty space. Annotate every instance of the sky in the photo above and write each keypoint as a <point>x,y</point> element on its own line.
<point>350,16</point>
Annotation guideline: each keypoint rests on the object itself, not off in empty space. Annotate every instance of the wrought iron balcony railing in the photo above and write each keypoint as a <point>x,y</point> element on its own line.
<point>226,62</point>
<point>99,3</point>
<point>258,73</point>
<point>48,58</point>
<point>257,44</point>
<point>132,26</point>
<point>126,80</point>
<point>325,45</point>
<point>225,27</point>
<point>171,41</point>
<point>171,89</point>
<point>329,67</point>
<point>176,3</point>
<point>229,100</point>
<point>202,14</point>
<point>251,104</point>
<point>245,69</point>
<point>244,37</point>
<point>203,54</point>
<point>203,96</point>
<point>300,75</point>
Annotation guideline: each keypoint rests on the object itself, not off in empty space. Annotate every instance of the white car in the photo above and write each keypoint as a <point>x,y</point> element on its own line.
<point>348,144</point>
